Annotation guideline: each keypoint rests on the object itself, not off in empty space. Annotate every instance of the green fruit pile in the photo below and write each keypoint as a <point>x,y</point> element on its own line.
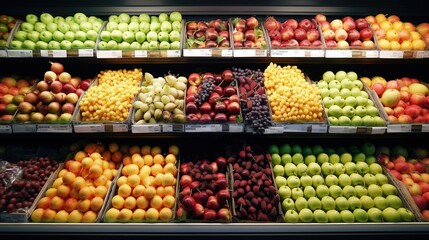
<point>142,32</point>
<point>345,101</point>
<point>318,184</point>
<point>48,32</point>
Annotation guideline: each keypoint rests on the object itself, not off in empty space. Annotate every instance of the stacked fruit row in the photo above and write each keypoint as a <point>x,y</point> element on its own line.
<point>7,23</point>
<point>410,168</point>
<point>319,184</point>
<point>12,90</point>
<point>212,34</point>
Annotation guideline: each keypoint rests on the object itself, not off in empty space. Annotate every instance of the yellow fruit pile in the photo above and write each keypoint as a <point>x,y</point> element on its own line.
<point>111,99</point>
<point>147,188</point>
<point>291,96</point>
<point>78,193</point>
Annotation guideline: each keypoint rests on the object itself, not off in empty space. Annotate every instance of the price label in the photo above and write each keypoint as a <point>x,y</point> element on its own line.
<point>391,54</point>
<point>296,128</point>
<point>245,53</point>
<point>63,128</point>
<point>319,128</point>
<point>378,130</point>
<point>173,128</point>
<point>147,128</point>
<point>140,53</point>
<point>20,53</point>
<point>173,53</point>
<point>53,53</point>
<point>109,54</point>
<point>226,53</point>
<point>425,127</point>
<point>372,54</point>
<point>342,129</point>
<point>119,128</point>
<point>3,53</point>
<point>398,128</point>
<point>422,54</point>
<point>89,128</point>
<point>197,52</point>
<point>274,130</point>
<point>86,52</point>
<point>24,128</point>
<point>14,217</point>
<point>338,54</point>
<point>236,128</point>
<point>203,128</point>
<point>5,129</point>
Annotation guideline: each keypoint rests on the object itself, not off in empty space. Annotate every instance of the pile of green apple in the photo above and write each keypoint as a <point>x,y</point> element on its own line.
<point>142,32</point>
<point>346,102</point>
<point>323,184</point>
<point>48,32</point>
<point>7,23</point>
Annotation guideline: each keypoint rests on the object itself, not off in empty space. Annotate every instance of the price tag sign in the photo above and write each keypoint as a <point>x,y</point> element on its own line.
<point>398,128</point>
<point>24,128</point>
<point>338,54</point>
<point>53,53</point>
<point>236,128</point>
<point>378,130</point>
<point>20,53</point>
<point>319,128</point>
<point>5,129</point>
<point>203,128</point>
<point>140,53</point>
<point>422,54</point>
<point>109,54</point>
<point>342,129</point>
<point>173,128</point>
<point>147,128</point>
<point>89,128</point>
<point>245,53</point>
<point>173,53</point>
<point>425,127</point>
<point>197,52</point>
<point>63,128</point>
<point>226,53</point>
<point>371,54</point>
<point>274,130</point>
<point>117,128</point>
<point>296,128</point>
<point>3,53</point>
<point>86,52</point>
<point>391,54</point>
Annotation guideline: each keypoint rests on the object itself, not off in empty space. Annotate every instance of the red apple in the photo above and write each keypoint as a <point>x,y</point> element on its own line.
<point>349,24</point>
<point>287,33</point>
<point>366,34</point>
<point>340,35</point>
<point>313,35</point>
<point>353,35</point>
<point>378,88</point>
<point>404,119</point>
<point>305,24</point>
<point>420,202</point>
<point>305,43</point>
<point>361,23</point>
<point>331,44</point>
<point>412,111</point>
<point>396,174</point>
<point>426,196</point>
<point>320,18</point>
<point>328,35</point>
<point>393,84</point>
<point>292,23</point>
<point>424,186</point>
<point>300,34</point>
<point>414,189</point>
<point>402,167</point>
<point>417,99</point>
<point>416,177</point>
<point>325,26</point>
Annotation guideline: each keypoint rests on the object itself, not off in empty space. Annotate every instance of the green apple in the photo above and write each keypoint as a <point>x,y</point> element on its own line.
<point>297,192</point>
<point>344,180</point>
<point>140,37</point>
<point>52,27</point>
<point>380,202</point>
<point>356,120</point>
<point>123,27</point>
<point>113,18</point>
<point>333,216</point>
<point>41,45</point>
<point>324,92</point>
<point>54,45</point>
<point>31,18</point>
<point>145,45</point>
<point>317,180</point>
<point>334,92</point>
<point>144,17</point>
<point>354,203</point>
<point>320,216</point>
<point>306,181</point>
<point>349,191</point>
<point>20,35</point>
<point>322,191</point>
<point>301,203</point>
<point>361,167</point>
<point>284,148</point>
<point>358,84</point>
<point>333,121</point>
<point>28,44</point>
<point>375,168</point>
<point>339,101</point>
<point>27,27</point>
<point>352,75</point>
<point>367,202</point>
<point>174,36</point>
<point>334,84</point>
<point>163,17</point>
<point>331,180</point>
<point>327,168</point>
<point>275,159</point>
<point>394,201</point>
<point>301,169</point>
<point>280,181</point>
<point>328,76</point>
<point>345,92</point>
<point>288,204</point>
<point>334,158</point>
<point>375,215</point>
<point>344,121</point>
<point>46,18</point>
<point>341,203</point>
<point>297,158</point>
<point>335,191</point>
<point>152,36</point>
<point>144,27</point>
<point>347,83</point>
<point>80,17</point>
<point>322,158</point>
<point>310,159</point>
<point>335,111</point>
<point>391,215</point>
<point>164,45</point>
<point>33,36</point>
<point>293,182</point>
<point>80,35</point>
<point>372,111</point>
<point>166,26</point>
<point>360,215</point>
<point>74,27</point>
<point>88,44</point>
<point>128,36</point>
<point>356,179</point>
<point>369,179</point>
<point>45,36</point>
<point>361,191</point>
<point>77,44</point>
<point>364,94</point>
<point>155,27</point>
<point>110,26</point>
<point>40,27</point>
<point>348,111</point>
<point>92,19</point>
<point>116,35</point>
<point>313,169</point>
<point>339,168</point>
<point>175,16</point>
<point>361,101</point>
<point>284,192</point>
<point>58,36</point>
<point>112,45</point>
<point>314,203</point>
<point>105,36</point>
<point>96,26</point>
<point>340,75</point>
<point>306,215</point>
<point>350,167</point>
<point>328,203</point>
<point>290,169</point>
<point>69,19</point>
<point>176,26</point>
<point>124,18</point>
<point>135,46</point>
<point>309,190</point>
<point>124,46</point>
<point>134,27</point>
<point>291,216</point>
<point>360,111</point>
<point>406,214</point>
<point>163,36</point>
<point>369,102</point>
<point>379,121</point>
<point>322,84</point>
<point>351,101</point>
<point>91,35</point>
<point>286,158</point>
<point>381,178</point>
<point>374,190</point>
<point>356,92</point>
<point>65,44</point>
<point>69,36</point>
<point>345,158</point>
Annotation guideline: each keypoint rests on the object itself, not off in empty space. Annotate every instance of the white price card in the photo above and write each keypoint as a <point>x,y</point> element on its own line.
<point>64,128</point>
<point>203,128</point>
<point>109,54</point>
<point>245,53</point>
<point>422,54</point>
<point>391,54</point>
<point>89,128</point>
<point>20,53</point>
<point>140,53</point>
<point>398,128</point>
<point>338,54</point>
<point>5,129</point>
<point>235,128</point>
<point>296,128</point>
<point>53,53</point>
<point>371,54</point>
<point>173,53</point>
<point>378,130</point>
<point>86,52</point>
<point>146,128</point>
<point>226,53</point>
<point>122,127</point>
<point>24,128</point>
<point>319,128</point>
<point>274,130</point>
<point>197,52</point>
<point>425,127</point>
<point>342,129</point>
<point>173,127</point>
<point>3,53</point>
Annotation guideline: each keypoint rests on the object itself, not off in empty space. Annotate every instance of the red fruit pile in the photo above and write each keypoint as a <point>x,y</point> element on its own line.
<point>204,193</point>
<point>212,34</point>
<point>248,33</point>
